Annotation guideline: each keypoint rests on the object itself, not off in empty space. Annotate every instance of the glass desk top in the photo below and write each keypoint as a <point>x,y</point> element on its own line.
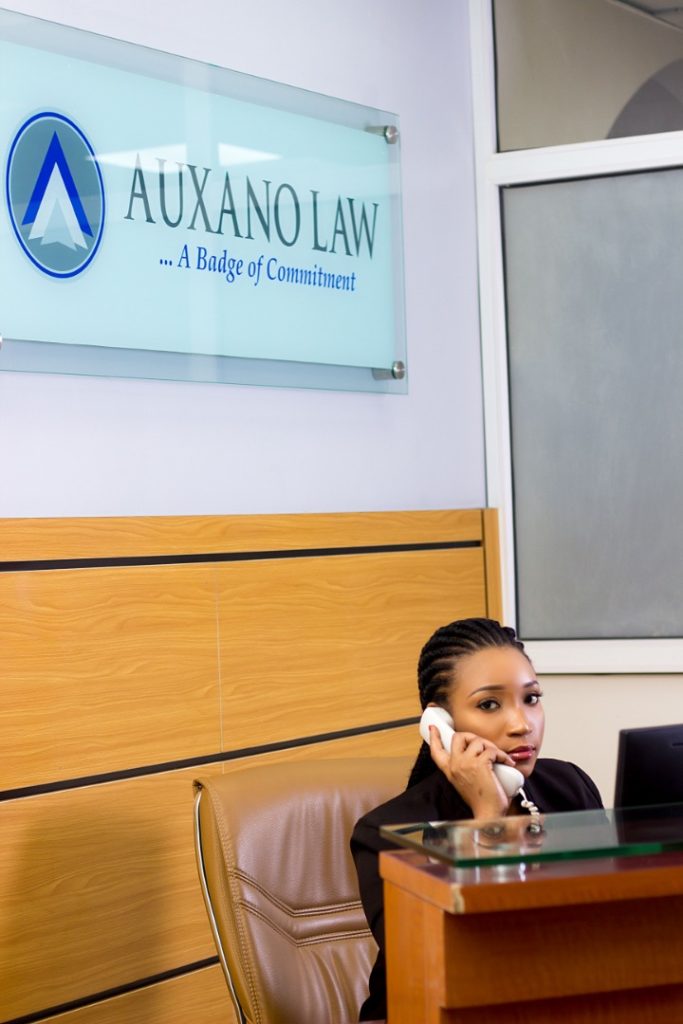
<point>622,832</point>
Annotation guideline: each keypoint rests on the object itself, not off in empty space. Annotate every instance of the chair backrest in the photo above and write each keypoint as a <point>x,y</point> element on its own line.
<point>280,885</point>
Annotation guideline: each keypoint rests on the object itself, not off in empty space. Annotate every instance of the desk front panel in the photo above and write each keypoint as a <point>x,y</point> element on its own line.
<point>611,959</point>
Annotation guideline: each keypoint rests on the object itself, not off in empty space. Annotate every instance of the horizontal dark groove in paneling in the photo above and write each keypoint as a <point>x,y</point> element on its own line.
<point>36,565</point>
<point>111,993</point>
<point>196,762</point>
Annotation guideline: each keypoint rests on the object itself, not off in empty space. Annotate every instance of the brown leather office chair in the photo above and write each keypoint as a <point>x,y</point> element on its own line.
<point>280,887</point>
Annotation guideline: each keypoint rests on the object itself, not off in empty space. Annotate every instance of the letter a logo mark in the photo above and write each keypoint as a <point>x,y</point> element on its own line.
<point>55,195</point>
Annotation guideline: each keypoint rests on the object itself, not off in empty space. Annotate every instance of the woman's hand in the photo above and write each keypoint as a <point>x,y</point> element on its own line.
<point>469,768</point>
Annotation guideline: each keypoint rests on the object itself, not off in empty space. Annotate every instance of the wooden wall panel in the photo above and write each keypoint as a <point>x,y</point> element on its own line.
<point>98,885</point>
<point>115,537</point>
<point>492,564</point>
<point>403,741</point>
<point>127,667</point>
<point>98,888</point>
<point>316,645</point>
<point>106,669</point>
<point>198,998</point>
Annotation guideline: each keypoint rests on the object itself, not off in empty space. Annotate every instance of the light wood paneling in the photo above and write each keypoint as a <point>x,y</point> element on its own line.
<point>98,885</point>
<point>402,742</point>
<point>104,669</point>
<point>198,998</point>
<point>114,668</point>
<point>31,539</point>
<point>492,566</point>
<point>98,888</point>
<point>317,645</point>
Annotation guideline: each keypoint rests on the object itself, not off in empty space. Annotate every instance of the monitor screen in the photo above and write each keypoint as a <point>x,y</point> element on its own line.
<point>650,766</point>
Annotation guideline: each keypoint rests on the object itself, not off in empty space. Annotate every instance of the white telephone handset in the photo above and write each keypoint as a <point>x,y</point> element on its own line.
<point>510,778</point>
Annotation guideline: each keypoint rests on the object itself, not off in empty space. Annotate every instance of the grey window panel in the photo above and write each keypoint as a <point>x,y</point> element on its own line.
<point>594,282</point>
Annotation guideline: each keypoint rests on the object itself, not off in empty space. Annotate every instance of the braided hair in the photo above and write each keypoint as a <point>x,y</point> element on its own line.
<point>437,664</point>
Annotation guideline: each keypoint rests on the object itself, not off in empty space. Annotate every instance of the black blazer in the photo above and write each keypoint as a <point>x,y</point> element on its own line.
<point>554,786</point>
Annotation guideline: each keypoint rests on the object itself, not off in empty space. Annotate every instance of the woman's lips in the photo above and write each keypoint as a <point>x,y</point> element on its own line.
<point>522,753</point>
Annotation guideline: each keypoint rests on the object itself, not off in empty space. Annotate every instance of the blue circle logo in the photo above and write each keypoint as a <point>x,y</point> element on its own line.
<point>55,194</point>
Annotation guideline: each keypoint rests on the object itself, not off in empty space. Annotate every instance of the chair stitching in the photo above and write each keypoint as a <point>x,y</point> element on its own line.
<point>330,908</point>
<point>248,905</point>
<point>313,940</point>
<point>311,913</point>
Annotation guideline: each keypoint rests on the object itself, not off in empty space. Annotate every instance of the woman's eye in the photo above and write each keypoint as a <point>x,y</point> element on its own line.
<point>533,698</point>
<point>488,705</point>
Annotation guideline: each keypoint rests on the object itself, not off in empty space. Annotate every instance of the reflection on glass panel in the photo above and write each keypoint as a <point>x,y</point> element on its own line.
<point>581,70</point>
<point>595,308</point>
<point>623,832</point>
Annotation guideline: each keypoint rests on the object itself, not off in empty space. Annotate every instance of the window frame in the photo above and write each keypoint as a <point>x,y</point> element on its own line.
<point>493,172</point>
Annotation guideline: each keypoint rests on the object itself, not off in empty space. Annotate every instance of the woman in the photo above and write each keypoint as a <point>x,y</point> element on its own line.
<point>478,671</point>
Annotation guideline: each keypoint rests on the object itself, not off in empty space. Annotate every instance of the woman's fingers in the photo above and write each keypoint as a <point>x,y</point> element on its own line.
<point>494,752</point>
<point>471,745</point>
<point>469,768</point>
<point>468,752</point>
<point>504,758</point>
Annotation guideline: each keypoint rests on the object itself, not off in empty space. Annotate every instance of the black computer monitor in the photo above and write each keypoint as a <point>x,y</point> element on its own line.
<point>650,766</point>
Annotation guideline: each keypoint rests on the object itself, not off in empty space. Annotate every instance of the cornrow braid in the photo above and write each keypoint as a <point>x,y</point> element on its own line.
<point>437,664</point>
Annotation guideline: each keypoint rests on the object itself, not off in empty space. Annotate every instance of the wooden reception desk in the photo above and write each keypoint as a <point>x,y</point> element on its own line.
<point>587,941</point>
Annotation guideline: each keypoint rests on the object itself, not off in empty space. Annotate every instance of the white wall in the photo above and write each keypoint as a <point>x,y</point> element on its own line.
<point>585,713</point>
<point>91,446</point>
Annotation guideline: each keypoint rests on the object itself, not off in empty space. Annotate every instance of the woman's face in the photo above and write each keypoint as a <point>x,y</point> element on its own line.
<point>495,694</point>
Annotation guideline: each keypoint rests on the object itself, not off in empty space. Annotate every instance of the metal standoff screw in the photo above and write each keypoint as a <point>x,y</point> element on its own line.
<point>388,131</point>
<point>397,371</point>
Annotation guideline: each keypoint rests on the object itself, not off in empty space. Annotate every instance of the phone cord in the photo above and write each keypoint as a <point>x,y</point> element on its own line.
<point>534,825</point>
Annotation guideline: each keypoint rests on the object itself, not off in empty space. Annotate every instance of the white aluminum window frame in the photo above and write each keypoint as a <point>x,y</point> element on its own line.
<point>494,171</point>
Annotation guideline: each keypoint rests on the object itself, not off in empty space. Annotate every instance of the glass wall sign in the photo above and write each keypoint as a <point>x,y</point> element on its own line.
<point>166,218</point>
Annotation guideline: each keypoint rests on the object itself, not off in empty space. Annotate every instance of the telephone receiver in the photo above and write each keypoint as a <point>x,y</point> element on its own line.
<point>510,778</point>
